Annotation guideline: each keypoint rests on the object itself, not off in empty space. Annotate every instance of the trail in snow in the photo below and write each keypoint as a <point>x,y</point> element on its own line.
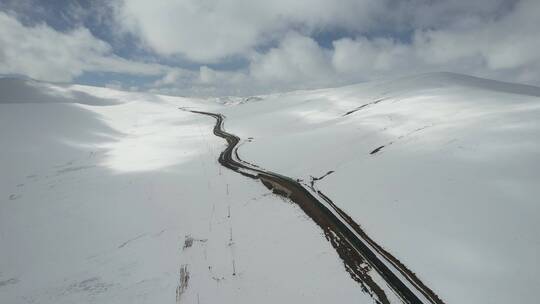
<point>366,262</point>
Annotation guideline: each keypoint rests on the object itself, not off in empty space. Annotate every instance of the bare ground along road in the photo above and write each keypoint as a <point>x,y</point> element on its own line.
<point>365,261</point>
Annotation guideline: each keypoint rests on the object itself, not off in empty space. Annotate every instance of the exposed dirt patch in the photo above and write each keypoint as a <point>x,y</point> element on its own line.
<point>13,197</point>
<point>183,282</point>
<point>92,286</point>
<point>124,244</point>
<point>363,106</point>
<point>316,179</point>
<point>74,169</point>
<point>377,150</point>
<point>189,241</point>
<point>9,282</point>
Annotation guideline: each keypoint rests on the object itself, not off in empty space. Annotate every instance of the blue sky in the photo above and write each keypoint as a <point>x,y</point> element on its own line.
<point>210,47</point>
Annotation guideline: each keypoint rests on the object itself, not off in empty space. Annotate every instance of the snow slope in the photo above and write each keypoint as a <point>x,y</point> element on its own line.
<point>440,169</point>
<point>116,197</point>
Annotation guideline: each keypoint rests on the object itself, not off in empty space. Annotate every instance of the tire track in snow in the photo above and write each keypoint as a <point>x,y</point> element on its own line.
<point>362,257</point>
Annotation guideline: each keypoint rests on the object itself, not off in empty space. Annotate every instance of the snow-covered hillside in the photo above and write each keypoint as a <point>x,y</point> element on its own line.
<point>113,197</point>
<point>443,170</point>
<point>117,197</point>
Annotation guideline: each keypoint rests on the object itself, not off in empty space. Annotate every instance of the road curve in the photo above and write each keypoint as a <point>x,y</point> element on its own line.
<point>362,257</point>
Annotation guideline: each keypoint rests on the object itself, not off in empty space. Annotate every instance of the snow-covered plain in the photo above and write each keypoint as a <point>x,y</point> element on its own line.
<point>116,197</point>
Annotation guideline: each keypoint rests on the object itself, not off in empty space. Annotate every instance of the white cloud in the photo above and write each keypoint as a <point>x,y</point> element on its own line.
<point>506,43</point>
<point>203,82</point>
<point>363,56</point>
<point>506,47</point>
<point>174,76</point>
<point>279,42</point>
<point>207,31</point>
<point>296,58</point>
<point>491,38</point>
<point>42,53</point>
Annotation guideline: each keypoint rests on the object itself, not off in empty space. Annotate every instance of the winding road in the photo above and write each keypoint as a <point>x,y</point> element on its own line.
<point>366,262</point>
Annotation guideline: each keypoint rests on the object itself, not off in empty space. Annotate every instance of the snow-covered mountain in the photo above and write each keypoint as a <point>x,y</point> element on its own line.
<point>117,197</point>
